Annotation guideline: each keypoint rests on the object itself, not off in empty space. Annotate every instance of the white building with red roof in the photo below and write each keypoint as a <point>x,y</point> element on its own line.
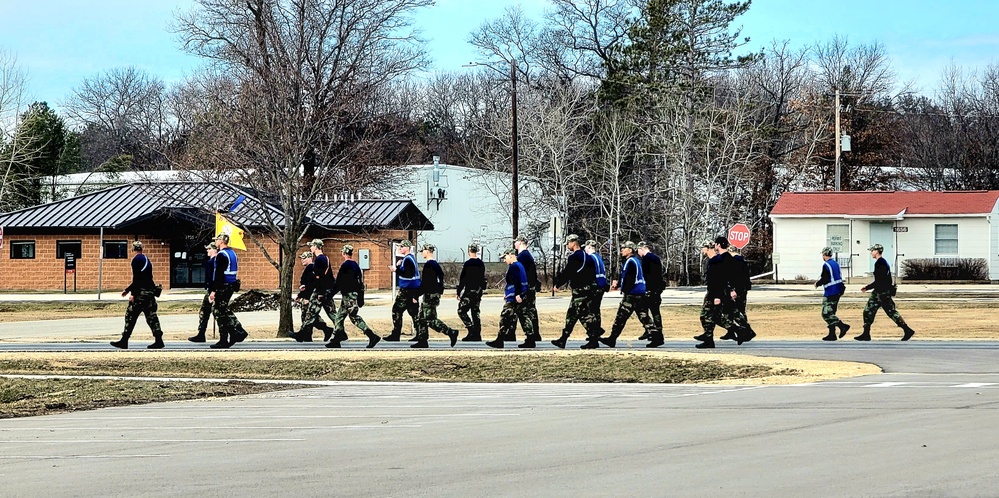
<point>943,226</point>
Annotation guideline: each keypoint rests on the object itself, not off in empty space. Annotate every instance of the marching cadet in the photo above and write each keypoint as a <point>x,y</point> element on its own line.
<point>634,300</point>
<point>206,307</point>
<point>407,274</point>
<point>580,274</point>
<point>321,298</point>
<point>224,283</point>
<point>307,287</point>
<point>741,284</point>
<point>526,259</point>
<point>350,285</point>
<point>514,309</point>
<point>471,285</point>
<point>142,300</point>
<point>590,247</point>
<point>881,292</point>
<point>432,286</point>
<point>744,284</point>
<point>652,268</point>
<point>719,302</point>
<point>833,288</point>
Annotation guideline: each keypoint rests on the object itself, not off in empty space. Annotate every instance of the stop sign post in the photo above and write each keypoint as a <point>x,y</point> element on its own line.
<point>738,236</point>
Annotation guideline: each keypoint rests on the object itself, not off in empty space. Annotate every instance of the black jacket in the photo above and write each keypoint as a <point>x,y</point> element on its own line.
<point>472,277</point>
<point>526,259</point>
<point>579,271</point>
<point>882,277</point>
<point>308,280</point>
<point>432,279</point>
<point>348,278</point>
<point>652,269</point>
<point>142,274</point>
<point>745,283</point>
<point>324,273</point>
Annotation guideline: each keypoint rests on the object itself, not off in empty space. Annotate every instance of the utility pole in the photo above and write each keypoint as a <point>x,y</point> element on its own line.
<point>515,219</point>
<point>837,143</point>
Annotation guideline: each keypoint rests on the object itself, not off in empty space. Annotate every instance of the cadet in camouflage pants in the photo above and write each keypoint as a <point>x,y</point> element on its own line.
<point>581,309</point>
<point>831,304</point>
<point>726,314</point>
<point>310,315</point>
<point>632,303</point>
<point>428,317</point>
<point>511,313</point>
<point>405,300</point>
<point>468,309</point>
<point>144,302</point>
<point>349,308</point>
<point>880,299</point>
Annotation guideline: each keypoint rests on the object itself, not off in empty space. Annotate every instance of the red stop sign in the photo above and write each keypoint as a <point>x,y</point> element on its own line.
<point>738,236</point>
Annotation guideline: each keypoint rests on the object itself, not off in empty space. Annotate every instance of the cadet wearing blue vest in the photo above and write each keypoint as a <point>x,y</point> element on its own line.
<point>206,307</point>
<point>602,286</point>
<point>526,259</point>
<point>224,284</point>
<point>633,288</point>
<point>514,306</point>
<point>142,300</point>
<point>407,297</point>
<point>833,288</point>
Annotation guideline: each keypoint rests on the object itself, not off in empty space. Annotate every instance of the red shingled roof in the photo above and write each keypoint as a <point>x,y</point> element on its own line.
<point>885,203</point>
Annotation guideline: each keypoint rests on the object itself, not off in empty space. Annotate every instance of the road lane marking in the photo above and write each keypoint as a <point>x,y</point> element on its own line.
<point>229,440</point>
<point>76,457</point>
<point>241,427</point>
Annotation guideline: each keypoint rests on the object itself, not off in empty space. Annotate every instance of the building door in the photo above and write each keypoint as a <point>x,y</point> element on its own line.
<point>187,263</point>
<point>881,233</point>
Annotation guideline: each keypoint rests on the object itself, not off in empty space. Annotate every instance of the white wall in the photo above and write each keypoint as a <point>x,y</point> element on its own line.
<point>799,240</point>
<point>476,205</point>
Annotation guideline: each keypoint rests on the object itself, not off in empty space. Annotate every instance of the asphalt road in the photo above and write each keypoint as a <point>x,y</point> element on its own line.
<point>926,427</point>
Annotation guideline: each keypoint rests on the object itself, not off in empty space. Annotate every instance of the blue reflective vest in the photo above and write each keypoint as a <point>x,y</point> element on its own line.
<point>413,282</point>
<point>639,287</point>
<point>515,275</point>
<point>835,286</point>
<point>600,270</point>
<point>230,272</point>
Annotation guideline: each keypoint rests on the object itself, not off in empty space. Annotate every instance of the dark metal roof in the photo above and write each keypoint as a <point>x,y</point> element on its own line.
<point>403,215</point>
<point>126,205</point>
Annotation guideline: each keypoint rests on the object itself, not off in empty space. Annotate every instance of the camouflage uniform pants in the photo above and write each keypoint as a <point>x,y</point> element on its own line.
<point>404,302</point>
<point>633,303</point>
<point>740,302</point>
<point>598,297</point>
<point>349,308</point>
<point>725,315</point>
<point>143,302</point>
<point>829,306</point>
<point>468,309</point>
<point>311,314</point>
<point>531,310</point>
<point>581,309</point>
<point>428,317</point>
<point>204,314</point>
<point>511,313</point>
<point>654,302</point>
<point>228,323</point>
<point>881,299</point>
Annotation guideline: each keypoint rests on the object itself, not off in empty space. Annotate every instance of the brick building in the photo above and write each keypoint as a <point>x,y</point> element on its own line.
<point>175,220</point>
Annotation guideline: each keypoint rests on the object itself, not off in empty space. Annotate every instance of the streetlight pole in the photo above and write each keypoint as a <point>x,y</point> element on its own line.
<point>515,219</point>
<point>837,143</point>
<point>515,194</point>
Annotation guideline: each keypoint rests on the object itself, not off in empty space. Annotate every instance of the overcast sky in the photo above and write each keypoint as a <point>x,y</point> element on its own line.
<point>61,42</point>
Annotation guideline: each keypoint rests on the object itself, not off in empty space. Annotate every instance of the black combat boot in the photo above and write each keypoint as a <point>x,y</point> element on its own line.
<point>730,335</point>
<point>420,343</point>
<point>560,342</point>
<point>707,344</point>
<point>327,332</point>
<point>240,335</point>
<point>907,332</point>
<point>304,335</point>
<point>591,343</point>
<point>452,334</point>
<point>831,336</point>
<point>611,340</point>
<point>121,343</point>
<point>704,337</point>
<point>395,336</point>
<point>333,344</point>
<point>645,336</point>
<point>496,343</point>
<point>157,342</point>
<point>744,334</point>
<point>223,341</point>
<point>842,328</point>
<point>200,337</point>
<point>510,336</point>
<point>655,340</point>
<point>474,335</point>
<point>372,339</point>
<point>529,343</point>
<point>866,336</point>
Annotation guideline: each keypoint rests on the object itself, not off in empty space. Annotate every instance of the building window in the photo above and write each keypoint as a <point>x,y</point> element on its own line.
<point>74,247</point>
<point>115,249</point>
<point>22,250</point>
<point>945,239</point>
